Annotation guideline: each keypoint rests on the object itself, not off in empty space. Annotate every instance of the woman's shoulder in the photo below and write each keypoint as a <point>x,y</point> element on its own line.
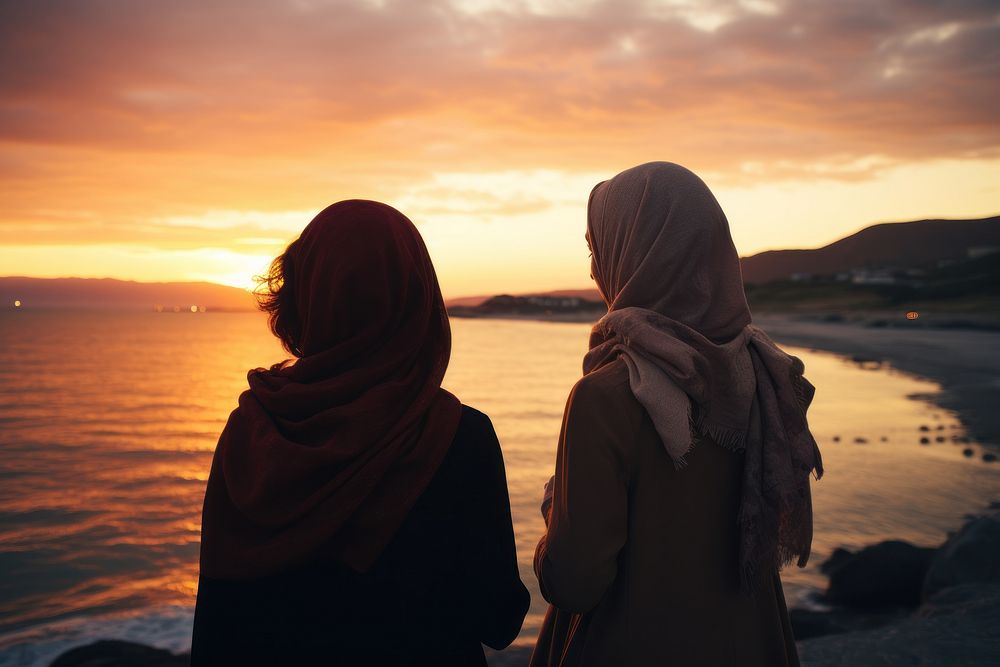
<point>604,398</point>
<point>475,436</point>
<point>609,383</point>
<point>475,423</point>
<point>473,456</point>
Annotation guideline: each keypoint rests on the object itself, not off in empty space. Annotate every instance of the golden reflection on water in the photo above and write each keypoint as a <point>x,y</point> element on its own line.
<point>108,422</point>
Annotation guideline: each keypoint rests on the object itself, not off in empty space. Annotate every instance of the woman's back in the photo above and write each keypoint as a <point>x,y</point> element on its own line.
<point>447,582</point>
<point>641,557</point>
<point>356,513</point>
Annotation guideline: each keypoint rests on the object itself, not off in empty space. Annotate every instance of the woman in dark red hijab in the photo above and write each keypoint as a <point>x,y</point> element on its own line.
<point>356,512</point>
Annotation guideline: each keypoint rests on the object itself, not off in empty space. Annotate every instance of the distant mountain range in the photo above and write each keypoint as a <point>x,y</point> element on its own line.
<point>120,294</point>
<point>921,244</point>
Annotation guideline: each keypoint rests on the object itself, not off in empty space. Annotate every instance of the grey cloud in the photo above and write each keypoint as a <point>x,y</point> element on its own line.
<point>805,83</point>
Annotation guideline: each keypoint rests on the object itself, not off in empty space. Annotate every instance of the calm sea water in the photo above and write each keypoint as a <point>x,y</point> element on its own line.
<point>108,421</point>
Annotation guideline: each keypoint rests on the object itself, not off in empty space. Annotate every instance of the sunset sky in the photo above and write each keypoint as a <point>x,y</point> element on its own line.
<point>192,139</point>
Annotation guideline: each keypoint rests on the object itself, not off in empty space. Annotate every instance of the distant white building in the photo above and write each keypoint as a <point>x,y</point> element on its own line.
<point>555,301</point>
<point>981,251</point>
<point>873,277</point>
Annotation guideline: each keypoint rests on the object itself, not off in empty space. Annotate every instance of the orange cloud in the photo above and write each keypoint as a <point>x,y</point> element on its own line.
<point>116,115</point>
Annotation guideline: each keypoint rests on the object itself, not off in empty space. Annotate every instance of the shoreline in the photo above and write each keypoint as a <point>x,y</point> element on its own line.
<point>964,363</point>
<point>575,317</point>
<point>956,623</point>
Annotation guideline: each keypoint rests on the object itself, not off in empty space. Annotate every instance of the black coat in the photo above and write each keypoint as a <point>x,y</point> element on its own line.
<point>446,584</point>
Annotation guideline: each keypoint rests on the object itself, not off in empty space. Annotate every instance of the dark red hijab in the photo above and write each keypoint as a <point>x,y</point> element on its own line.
<point>324,458</point>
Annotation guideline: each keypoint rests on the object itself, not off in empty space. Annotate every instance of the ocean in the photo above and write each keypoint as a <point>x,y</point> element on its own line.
<point>108,421</point>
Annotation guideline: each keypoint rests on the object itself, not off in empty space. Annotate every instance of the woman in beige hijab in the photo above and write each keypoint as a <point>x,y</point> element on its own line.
<point>682,475</point>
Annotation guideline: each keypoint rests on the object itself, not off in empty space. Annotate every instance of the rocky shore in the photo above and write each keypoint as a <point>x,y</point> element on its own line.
<point>897,604</point>
<point>894,603</point>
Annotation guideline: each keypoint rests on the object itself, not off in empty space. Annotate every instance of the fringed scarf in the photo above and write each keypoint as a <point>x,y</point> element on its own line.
<point>664,260</point>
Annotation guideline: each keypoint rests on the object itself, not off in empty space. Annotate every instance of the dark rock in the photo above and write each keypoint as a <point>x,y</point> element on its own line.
<point>989,458</point>
<point>956,627</point>
<point>861,441</point>
<point>924,427</point>
<point>884,439</point>
<point>807,623</point>
<point>115,653</point>
<point>940,438</point>
<point>971,556</point>
<point>925,441</point>
<point>968,452</point>
<point>836,559</point>
<point>886,574</point>
<point>836,438</point>
<point>866,362</point>
<point>958,599</point>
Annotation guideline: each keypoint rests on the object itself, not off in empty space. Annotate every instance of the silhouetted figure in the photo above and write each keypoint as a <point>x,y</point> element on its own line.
<point>682,475</point>
<point>356,513</point>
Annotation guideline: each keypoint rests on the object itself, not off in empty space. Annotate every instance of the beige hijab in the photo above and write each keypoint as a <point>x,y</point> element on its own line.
<point>664,260</point>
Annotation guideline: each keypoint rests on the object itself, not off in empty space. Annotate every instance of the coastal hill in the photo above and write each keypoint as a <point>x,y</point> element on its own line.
<point>942,266</point>
<point>921,244</point>
<point>551,306</point>
<point>901,245</point>
<point>120,294</point>
<point>473,301</point>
